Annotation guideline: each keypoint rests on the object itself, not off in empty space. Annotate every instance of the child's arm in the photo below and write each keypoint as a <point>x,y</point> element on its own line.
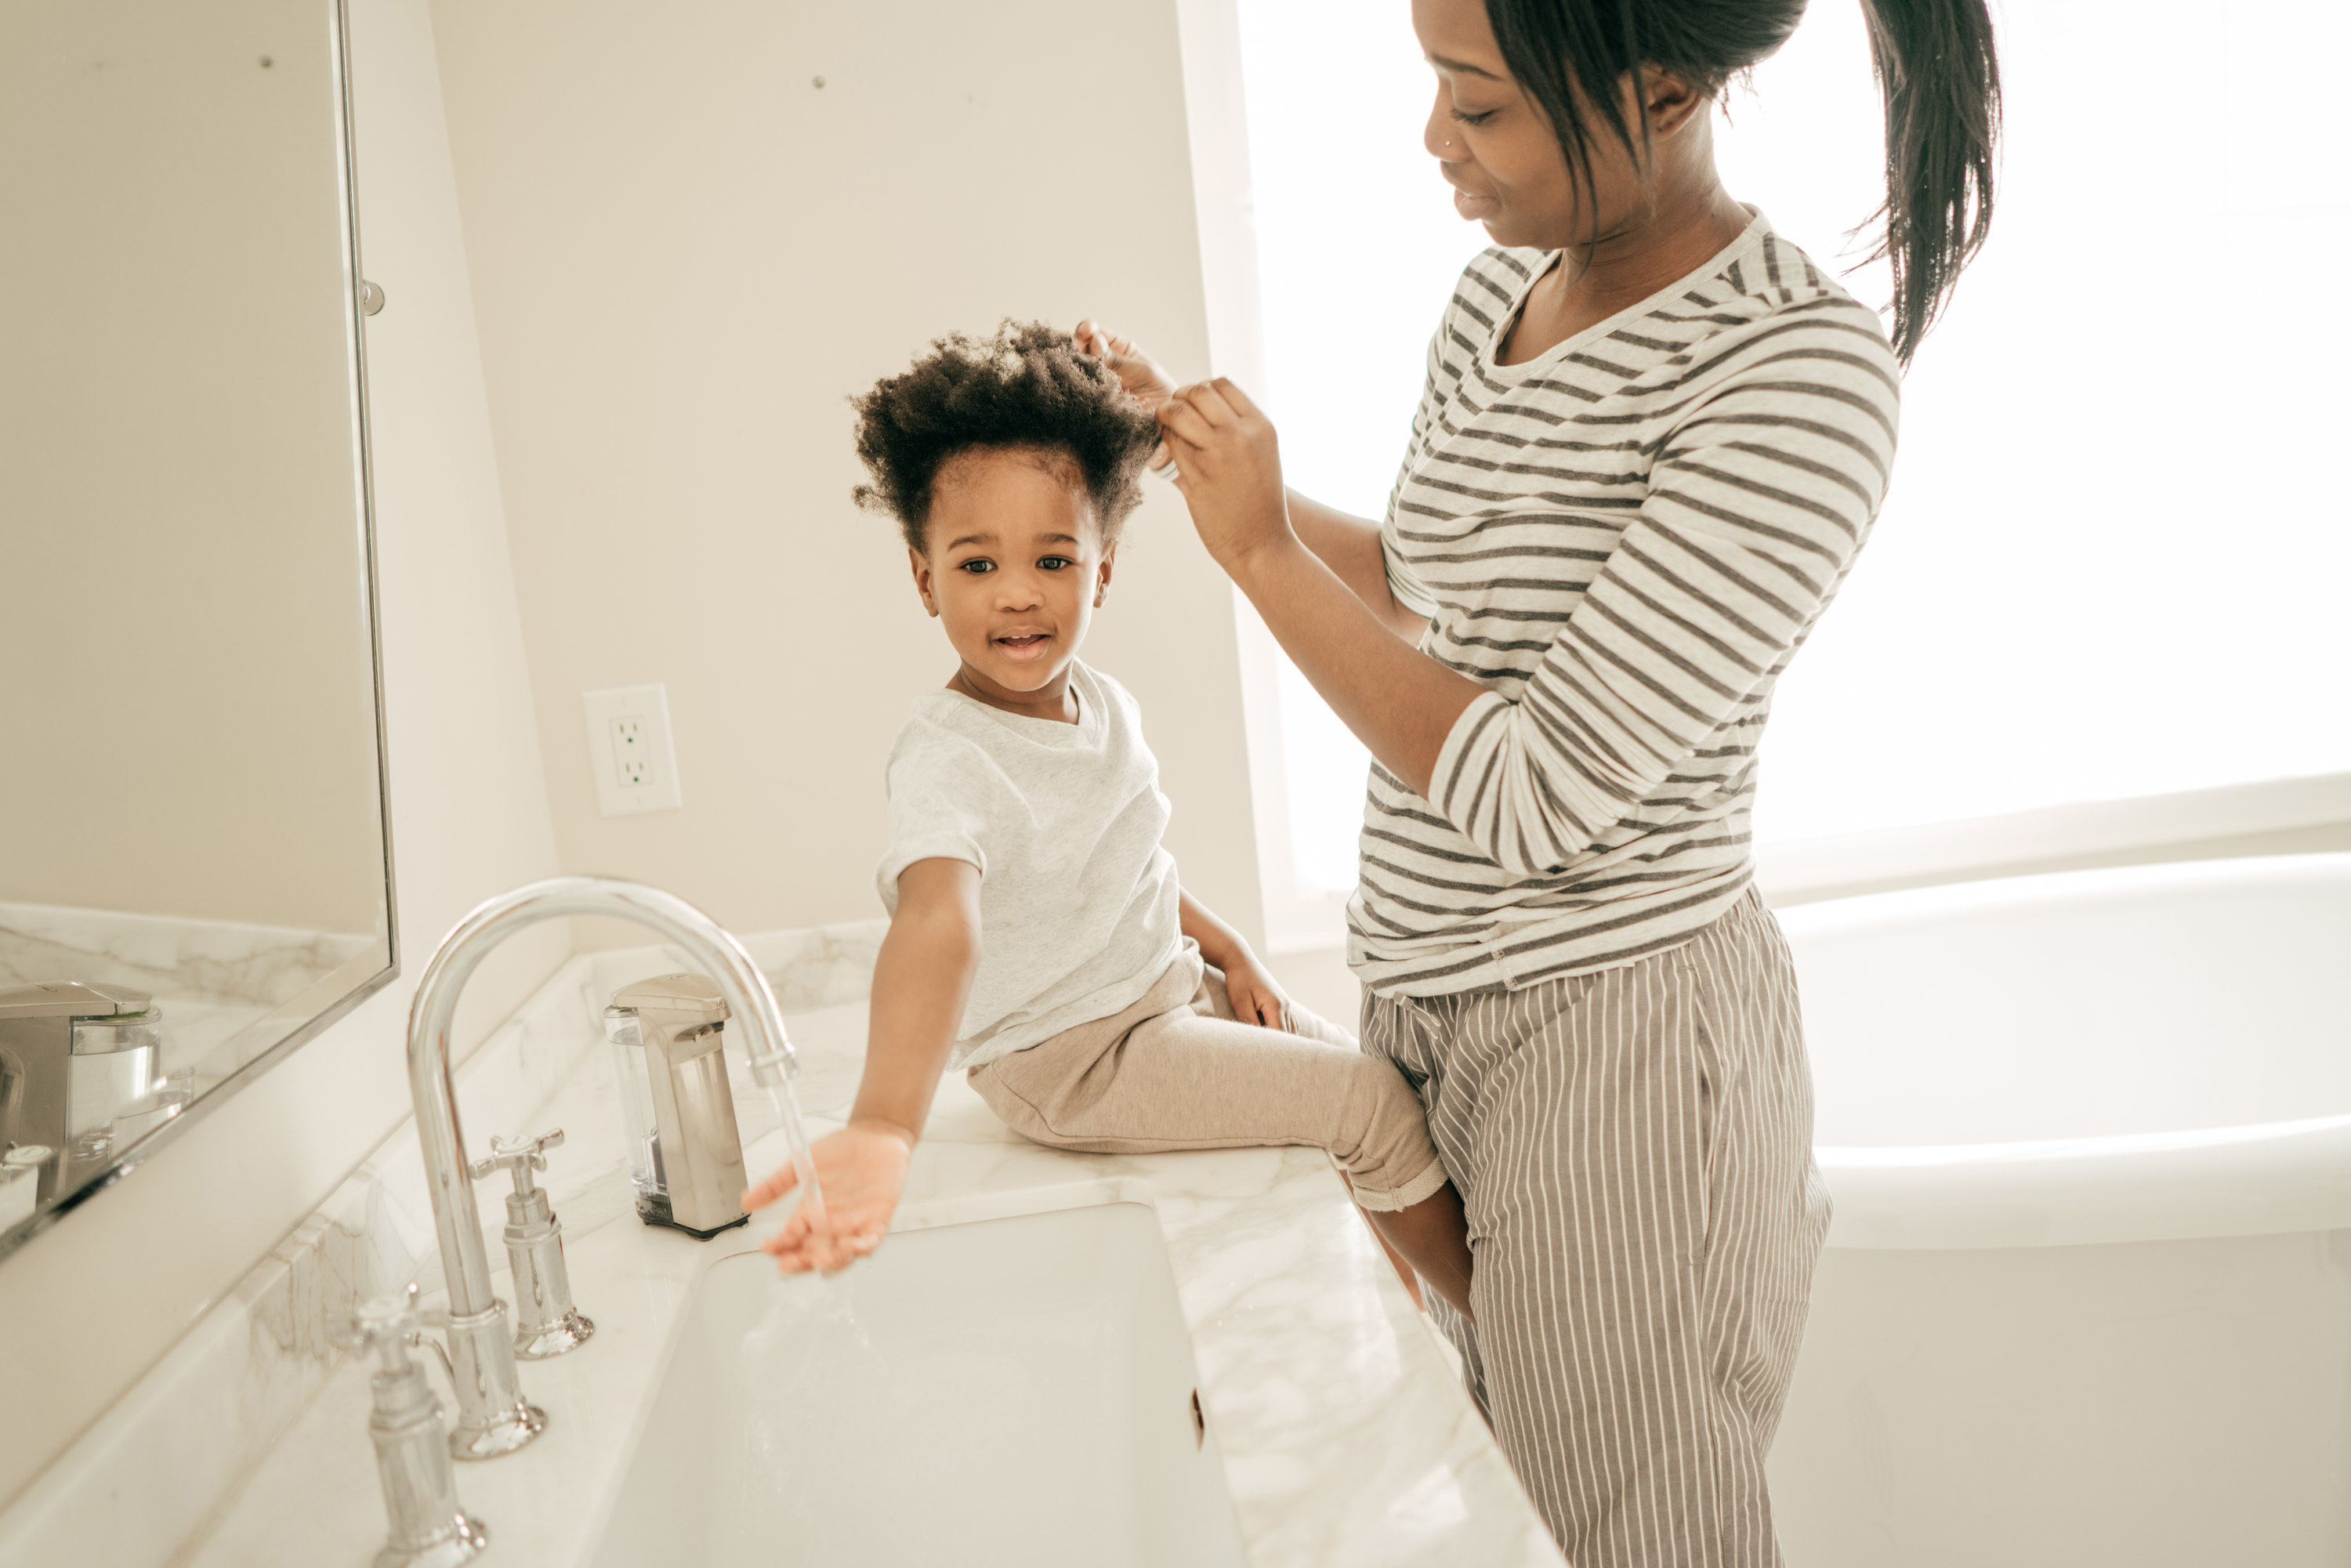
<point>921,981</point>
<point>1255,997</point>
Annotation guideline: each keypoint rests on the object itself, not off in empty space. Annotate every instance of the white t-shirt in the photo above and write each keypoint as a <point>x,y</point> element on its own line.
<point>1077,898</point>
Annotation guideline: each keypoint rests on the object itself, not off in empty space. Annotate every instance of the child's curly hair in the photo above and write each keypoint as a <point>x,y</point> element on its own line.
<point>1027,387</point>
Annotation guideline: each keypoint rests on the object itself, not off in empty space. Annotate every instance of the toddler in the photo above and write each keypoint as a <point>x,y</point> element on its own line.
<point>1039,939</point>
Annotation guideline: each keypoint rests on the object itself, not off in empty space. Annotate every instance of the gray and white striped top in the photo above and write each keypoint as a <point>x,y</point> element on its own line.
<point>1624,541</point>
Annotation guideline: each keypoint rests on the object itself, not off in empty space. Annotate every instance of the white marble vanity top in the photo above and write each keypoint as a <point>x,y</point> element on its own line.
<point>1346,1435</point>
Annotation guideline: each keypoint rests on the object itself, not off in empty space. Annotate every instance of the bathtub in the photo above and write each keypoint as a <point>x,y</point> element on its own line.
<point>2087,1294</point>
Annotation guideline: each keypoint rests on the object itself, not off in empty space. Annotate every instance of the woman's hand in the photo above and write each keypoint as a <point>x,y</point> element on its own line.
<point>1229,465</point>
<point>863,1172</point>
<point>1255,997</point>
<point>1137,371</point>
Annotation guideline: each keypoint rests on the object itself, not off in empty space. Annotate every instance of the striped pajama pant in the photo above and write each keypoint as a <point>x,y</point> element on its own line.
<point>1634,1147</point>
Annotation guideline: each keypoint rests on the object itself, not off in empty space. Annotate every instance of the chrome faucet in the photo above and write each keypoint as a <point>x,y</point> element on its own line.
<point>546,1322</point>
<point>492,1416</point>
<point>429,1530</point>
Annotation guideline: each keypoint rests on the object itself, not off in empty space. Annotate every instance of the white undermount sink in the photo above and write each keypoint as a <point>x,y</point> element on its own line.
<point>1010,1392</point>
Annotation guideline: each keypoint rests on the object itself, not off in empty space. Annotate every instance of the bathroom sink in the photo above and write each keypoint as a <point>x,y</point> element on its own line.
<point>1014,1391</point>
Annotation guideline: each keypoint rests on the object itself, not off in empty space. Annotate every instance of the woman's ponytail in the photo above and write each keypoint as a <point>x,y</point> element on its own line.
<point>1940,82</point>
<point>1934,68</point>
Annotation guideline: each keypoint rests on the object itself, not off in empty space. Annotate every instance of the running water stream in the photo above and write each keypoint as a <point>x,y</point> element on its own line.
<point>787,1112</point>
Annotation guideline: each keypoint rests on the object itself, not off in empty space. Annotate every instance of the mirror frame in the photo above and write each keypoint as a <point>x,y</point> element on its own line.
<point>336,994</point>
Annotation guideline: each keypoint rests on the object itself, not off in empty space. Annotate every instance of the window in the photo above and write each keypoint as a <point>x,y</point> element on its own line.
<point>2115,559</point>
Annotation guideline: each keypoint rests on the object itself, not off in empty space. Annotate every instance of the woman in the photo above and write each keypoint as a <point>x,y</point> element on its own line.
<point>1652,444</point>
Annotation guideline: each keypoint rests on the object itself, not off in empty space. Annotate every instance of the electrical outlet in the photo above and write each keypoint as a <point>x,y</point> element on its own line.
<point>632,762</point>
<point>630,751</point>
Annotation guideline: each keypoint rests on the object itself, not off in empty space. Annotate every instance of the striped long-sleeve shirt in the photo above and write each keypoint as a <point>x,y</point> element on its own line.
<point>1624,541</point>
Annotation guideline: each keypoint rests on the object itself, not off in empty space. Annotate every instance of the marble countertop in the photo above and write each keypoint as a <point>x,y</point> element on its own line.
<point>1346,1435</point>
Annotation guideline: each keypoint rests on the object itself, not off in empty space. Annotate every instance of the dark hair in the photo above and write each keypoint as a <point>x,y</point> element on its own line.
<point>1936,70</point>
<point>1029,388</point>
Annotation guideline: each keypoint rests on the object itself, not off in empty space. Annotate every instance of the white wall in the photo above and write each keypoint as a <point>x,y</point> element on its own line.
<point>2120,578</point>
<point>687,256</point>
<point>89,1305</point>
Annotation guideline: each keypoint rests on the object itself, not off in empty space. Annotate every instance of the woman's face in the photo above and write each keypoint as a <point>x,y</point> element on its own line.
<point>1497,147</point>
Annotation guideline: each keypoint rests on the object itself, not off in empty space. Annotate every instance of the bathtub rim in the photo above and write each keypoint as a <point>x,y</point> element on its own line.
<point>2255,1180</point>
<point>1904,906</point>
<point>2251,1179</point>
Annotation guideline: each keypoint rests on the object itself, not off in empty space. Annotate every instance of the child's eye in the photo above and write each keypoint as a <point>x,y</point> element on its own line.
<point>977,566</point>
<point>1056,562</point>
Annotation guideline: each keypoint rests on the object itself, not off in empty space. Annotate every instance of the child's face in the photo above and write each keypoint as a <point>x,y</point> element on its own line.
<point>1015,569</point>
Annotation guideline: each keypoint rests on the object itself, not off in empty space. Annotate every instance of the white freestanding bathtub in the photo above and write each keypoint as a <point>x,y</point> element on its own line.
<point>2087,1294</point>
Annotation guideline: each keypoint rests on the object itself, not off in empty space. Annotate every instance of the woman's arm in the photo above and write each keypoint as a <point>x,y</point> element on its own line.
<point>1753,515</point>
<point>1400,703</point>
<point>922,979</point>
<point>1349,546</point>
<point>1255,996</point>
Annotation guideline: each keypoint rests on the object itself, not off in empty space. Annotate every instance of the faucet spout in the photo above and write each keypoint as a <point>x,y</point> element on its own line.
<point>492,1416</point>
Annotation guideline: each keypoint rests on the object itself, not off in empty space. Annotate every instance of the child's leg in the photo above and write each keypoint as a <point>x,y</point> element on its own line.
<point>1435,1233</point>
<point>1180,1080</point>
<point>1433,1236</point>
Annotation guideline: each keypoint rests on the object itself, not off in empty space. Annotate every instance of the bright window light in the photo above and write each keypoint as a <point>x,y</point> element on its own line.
<point>2115,559</point>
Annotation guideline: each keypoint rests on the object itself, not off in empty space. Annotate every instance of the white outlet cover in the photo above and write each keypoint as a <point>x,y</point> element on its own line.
<point>630,751</point>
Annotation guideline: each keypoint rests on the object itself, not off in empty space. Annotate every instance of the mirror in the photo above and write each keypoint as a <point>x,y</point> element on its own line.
<point>194,871</point>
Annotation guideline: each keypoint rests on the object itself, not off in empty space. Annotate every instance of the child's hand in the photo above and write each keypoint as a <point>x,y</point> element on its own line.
<point>1229,465</point>
<point>1255,997</point>
<point>863,1172</point>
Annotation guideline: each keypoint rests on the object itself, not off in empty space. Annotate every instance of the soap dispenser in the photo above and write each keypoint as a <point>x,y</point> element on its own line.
<point>685,1152</point>
<point>74,1057</point>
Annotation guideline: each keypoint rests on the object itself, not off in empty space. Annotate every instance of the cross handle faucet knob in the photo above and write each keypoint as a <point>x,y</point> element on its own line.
<point>387,1325</point>
<point>520,1156</point>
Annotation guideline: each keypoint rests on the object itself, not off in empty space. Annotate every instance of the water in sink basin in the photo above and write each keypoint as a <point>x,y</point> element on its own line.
<point>1013,1392</point>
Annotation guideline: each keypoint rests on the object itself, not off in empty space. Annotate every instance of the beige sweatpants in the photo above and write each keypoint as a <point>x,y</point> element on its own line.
<point>1178,1070</point>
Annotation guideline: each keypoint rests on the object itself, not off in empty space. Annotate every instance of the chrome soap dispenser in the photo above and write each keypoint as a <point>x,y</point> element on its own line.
<point>76,1060</point>
<point>685,1152</point>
